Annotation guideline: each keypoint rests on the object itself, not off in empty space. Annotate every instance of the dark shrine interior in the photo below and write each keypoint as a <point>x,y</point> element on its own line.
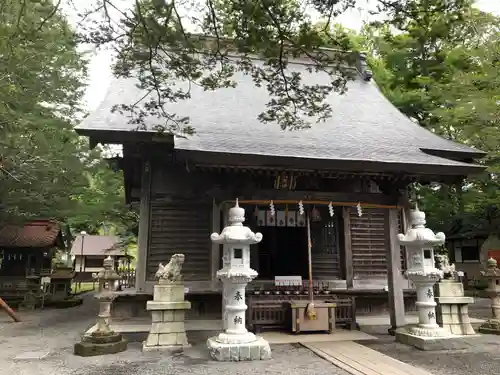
<point>282,252</point>
<point>283,249</point>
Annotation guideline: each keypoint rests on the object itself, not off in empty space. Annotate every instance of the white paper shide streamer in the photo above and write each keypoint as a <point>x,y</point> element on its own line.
<point>359,209</point>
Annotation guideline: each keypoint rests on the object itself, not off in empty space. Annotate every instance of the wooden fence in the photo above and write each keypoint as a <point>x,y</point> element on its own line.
<point>127,279</point>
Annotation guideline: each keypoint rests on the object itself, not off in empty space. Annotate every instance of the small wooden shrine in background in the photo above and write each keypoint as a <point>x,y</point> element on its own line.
<point>61,279</point>
<point>26,254</point>
<point>90,251</point>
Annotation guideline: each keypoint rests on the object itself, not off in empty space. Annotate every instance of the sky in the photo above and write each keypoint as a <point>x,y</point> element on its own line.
<point>100,75</point>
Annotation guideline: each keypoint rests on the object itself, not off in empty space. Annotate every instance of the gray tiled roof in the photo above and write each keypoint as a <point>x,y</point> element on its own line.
<point>97,245</point>
<point>364,126</point>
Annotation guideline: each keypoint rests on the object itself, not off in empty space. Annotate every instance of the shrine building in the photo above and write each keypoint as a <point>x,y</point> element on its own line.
<point>350,171</point>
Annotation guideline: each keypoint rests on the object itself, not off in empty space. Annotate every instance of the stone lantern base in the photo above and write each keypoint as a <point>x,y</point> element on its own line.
<point>428,343</point>
<point>492,326</point>
<point>100,343</point>
<point>234,352</point>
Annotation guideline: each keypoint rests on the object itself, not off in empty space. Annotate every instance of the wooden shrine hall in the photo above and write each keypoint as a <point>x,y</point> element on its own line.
<point>350,172</point>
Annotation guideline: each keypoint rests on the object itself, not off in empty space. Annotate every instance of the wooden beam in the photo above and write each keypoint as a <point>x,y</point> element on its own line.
<point>423,171</point>
<point>249,194</point>
<point>144,228</point>
<point>396,300</point>
<point>349,272</point>
<point>215,254</point>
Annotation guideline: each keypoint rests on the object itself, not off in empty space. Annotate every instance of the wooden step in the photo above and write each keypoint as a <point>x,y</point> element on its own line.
<point>360,360</point>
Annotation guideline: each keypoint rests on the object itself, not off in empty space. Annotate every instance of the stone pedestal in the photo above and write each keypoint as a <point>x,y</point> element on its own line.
<point>168,309</point>
<point>419,242</point>
<point>236,343</point>
<point>426,305</point>
<point>492,275</point>
<point>256,349</point>
<point>453,308</point>
<point>103,340</point>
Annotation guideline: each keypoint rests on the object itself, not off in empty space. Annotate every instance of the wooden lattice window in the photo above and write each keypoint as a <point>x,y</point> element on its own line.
<point>369,243</point>
<point>325,248</point>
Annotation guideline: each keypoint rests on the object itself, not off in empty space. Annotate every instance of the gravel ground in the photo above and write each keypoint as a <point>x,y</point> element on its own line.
<point>55,332</point>
<point>481,358</point>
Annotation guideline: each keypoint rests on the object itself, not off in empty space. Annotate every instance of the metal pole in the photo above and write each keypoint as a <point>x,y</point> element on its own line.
<point>81,251</point>
<point>82,233</point>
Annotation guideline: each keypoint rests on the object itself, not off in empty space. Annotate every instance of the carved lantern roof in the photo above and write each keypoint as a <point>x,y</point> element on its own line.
<point>236,232</point>
<point>492,271</point>
<point>418,235</point>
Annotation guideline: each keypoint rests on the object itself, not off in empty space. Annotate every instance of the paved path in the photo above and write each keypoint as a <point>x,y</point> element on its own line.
<point>357,359</point>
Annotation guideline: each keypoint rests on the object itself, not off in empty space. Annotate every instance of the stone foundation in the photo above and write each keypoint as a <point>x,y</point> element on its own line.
<point>208,306</point>
<point>452,312</point>
<point>492,326</point>
<point>168,311</point>
<point>100,344</point>
<point>131,304</point>
<point>428,343</point>
<point>455,318</point>
<point>253,351</point>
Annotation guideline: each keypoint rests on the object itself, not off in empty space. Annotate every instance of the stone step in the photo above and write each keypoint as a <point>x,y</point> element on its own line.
<point>360,360</point>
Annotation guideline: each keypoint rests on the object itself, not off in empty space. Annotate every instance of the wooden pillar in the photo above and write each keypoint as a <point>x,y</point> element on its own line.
<point>144,228</point>
<point>405,214</point>
<point>396,301</point>
<point>349,272</point>
<point>215,250</point>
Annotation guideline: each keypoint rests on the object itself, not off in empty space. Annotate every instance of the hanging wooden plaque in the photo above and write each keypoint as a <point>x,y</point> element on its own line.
<point>291,219</point>
<point>270,219</point>
<point>261,218</point>
<point>281,218</point>
<point>301,220</point>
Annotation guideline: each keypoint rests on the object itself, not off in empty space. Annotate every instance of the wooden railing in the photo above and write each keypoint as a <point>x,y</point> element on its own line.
<point>269,310</point>
<point>33,272</point>
<point>127,279</point>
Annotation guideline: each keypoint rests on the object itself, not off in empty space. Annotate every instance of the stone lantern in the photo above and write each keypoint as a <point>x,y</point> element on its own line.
<point>236,343</point>
<point>420,242</point>
<point>103,340</point>
<point>492,275</point>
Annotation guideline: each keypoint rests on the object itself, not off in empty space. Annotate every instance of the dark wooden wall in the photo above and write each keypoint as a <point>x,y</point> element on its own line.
<point>181,222</point>
<point>180,226</point>
<point>369,242</point>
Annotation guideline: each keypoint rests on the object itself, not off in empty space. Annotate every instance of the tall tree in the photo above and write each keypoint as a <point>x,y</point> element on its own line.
<point>46,170</point>
<point>160,42</point>
<point>438,63</point>
<point>41,77</point>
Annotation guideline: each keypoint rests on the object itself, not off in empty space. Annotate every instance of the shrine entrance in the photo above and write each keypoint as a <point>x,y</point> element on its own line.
<point>282,252</point>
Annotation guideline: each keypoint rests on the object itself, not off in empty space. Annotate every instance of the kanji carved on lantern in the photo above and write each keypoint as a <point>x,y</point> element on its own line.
<point>420,242</point>
<point>236,343</point>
